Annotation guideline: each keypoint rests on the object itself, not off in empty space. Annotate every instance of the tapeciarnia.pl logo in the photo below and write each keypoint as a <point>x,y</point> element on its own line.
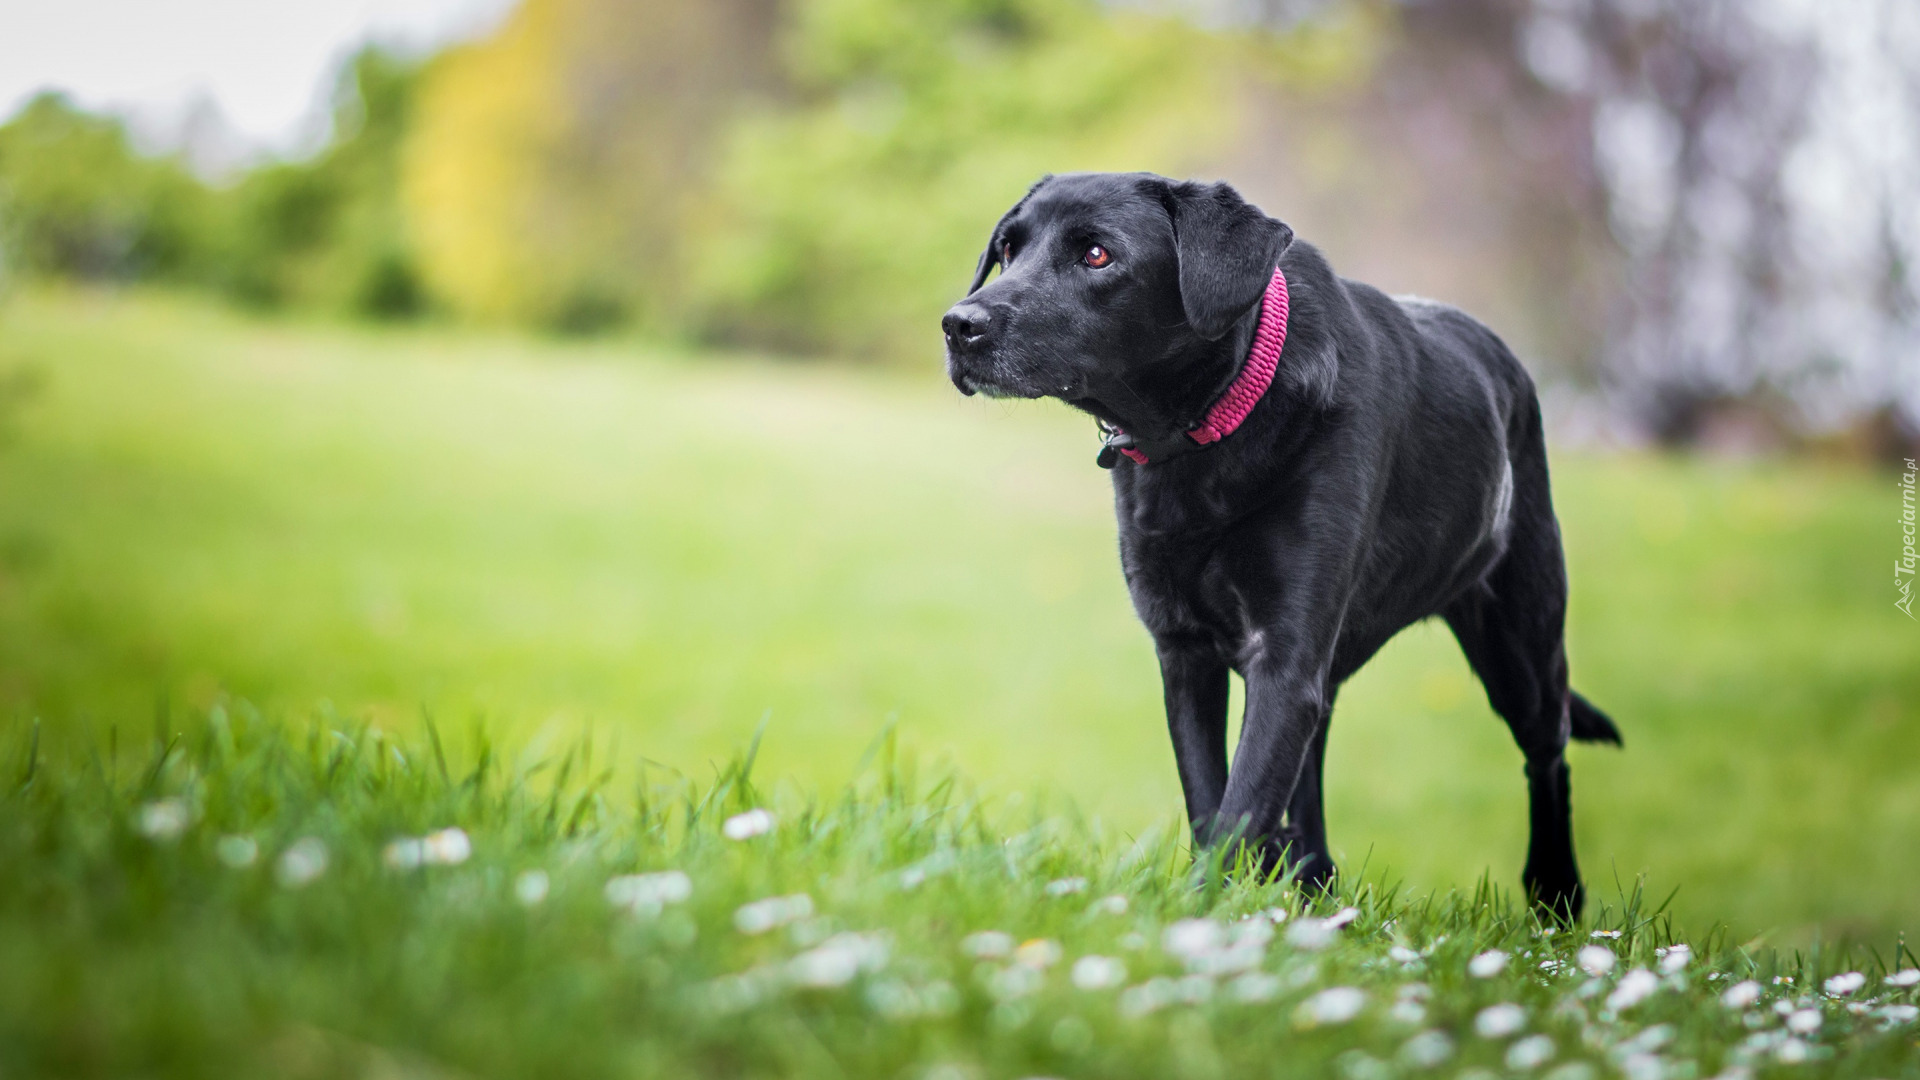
<point>1903,566</point>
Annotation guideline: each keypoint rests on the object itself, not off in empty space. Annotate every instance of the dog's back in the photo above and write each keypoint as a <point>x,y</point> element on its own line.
<point>1454,408</point>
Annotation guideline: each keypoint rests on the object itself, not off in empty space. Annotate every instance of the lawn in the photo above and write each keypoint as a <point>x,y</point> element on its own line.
<point>245,898</point>
<point>662,548</point>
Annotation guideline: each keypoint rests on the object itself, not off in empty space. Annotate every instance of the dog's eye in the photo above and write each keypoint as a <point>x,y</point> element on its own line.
<point>1006,252</point>
<point>1097,257</point>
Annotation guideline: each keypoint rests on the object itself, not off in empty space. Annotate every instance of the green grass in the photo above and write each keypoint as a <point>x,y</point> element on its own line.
<point>664,548</point>
<point>230,898</point>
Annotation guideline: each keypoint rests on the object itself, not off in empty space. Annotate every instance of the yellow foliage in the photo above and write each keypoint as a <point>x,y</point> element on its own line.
<point>551,166</point>
<point>490,117</point>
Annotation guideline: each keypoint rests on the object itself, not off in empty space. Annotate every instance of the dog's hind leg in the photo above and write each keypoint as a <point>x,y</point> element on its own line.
<point>1511,629</point>
<point>1525,673</point>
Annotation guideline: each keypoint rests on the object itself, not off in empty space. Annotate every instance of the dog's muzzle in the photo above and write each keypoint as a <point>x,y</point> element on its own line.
<point>966,326</point>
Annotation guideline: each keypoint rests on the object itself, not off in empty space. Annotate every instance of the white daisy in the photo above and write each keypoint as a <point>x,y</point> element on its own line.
<point>755,822</point>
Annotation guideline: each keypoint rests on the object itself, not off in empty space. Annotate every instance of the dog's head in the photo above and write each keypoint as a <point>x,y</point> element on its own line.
<point>1103,275</point>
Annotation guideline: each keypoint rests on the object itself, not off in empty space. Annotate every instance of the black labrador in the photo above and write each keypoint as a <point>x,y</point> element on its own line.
<point>1392,468</point>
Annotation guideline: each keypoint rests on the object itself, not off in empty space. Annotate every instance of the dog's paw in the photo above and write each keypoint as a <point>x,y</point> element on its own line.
<point>1561,901</point>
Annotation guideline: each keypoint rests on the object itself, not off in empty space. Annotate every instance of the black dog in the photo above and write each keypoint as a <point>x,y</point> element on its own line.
<point>1393,469</point>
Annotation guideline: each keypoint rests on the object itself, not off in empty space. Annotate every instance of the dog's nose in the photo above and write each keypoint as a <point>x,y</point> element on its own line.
<point>966,323</point>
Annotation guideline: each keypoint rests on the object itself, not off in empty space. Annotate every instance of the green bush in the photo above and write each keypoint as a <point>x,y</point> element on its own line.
<point>77,201</point>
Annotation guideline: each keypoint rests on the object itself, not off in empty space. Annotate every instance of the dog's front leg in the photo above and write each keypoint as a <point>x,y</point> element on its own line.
<point>1285,704</point>
<point>1194,679</point>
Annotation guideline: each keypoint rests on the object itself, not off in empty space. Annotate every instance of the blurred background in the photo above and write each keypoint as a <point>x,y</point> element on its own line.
<point>572,365</point>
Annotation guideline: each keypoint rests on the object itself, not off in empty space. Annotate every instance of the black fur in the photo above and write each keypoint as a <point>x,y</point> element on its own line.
<point>1396,470</point>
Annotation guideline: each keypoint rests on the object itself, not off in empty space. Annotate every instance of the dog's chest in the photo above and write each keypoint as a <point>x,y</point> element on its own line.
<point>1179,571</point>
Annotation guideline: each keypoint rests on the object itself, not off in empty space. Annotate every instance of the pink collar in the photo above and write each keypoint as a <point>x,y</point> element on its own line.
<point>1233,406</point>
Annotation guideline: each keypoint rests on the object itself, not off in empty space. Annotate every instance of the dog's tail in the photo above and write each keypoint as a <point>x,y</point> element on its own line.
<point>1589,723</point>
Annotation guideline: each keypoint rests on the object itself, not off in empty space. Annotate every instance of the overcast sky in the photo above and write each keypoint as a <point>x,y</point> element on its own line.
<point>264,63</point>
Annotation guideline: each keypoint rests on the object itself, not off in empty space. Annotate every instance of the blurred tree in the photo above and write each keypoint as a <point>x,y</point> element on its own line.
<point>848,215</point>
<point>555,166</point>
<point>1438,165</point>
<point>1709,208</point>
<point>77,201</point>
<point>1761,168</point>
<point>814,176</point>
<point>328,231</point>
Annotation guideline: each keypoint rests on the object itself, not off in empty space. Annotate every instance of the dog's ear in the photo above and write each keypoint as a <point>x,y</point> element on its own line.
<point>988,260</point>
<point>1227,250</point>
